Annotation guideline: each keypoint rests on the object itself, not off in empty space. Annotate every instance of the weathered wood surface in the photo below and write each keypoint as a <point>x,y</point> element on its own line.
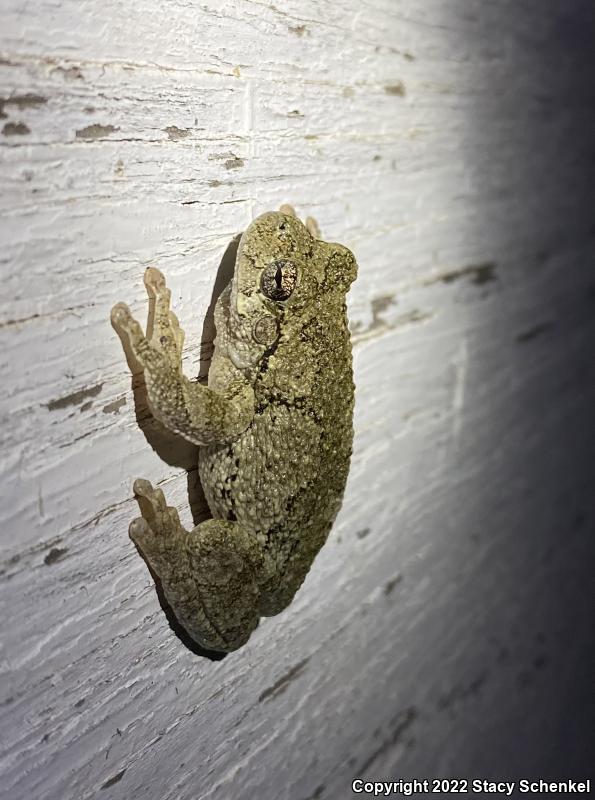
<point>444,629</point>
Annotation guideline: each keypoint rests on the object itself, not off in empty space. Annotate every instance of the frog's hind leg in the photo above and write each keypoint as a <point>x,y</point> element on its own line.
<point>209,575</point>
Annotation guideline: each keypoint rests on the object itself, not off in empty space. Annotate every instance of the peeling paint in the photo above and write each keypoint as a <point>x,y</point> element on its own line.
<point>460,693</point>
<point>72,73</point>
<point>397,89</point>
<point>477,274</point>
<point>115,406</point>
<point>75,398</point>
<point>379,325</point>
<point>390,585</point>
<point>95,131</point>
<point>21,101</point>
<point>231,161</point>
<point>15,129</point>
<point>175,134</point>
<point>54,555</point>
<point>234,163</point>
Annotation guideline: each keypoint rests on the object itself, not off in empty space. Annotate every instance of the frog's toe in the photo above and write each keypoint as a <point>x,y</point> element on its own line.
<point>154,281</point>
<point>140,531</point>
<point>313,227</point>
<point>120,314</point>
<point>142,487</point>
<point>177,331</point>
<point>150,500</point>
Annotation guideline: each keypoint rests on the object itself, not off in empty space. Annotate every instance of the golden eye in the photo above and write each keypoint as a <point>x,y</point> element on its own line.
<point>279,279</point>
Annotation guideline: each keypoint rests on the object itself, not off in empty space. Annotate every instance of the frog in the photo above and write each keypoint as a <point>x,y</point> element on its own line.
<point>274,426</point>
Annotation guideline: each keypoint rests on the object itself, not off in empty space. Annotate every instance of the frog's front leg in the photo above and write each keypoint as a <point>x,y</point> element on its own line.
<point>194,411</point>
<point>210,575</point>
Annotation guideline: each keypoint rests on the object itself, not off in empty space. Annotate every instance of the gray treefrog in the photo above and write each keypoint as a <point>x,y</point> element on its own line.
<point>274,425</point>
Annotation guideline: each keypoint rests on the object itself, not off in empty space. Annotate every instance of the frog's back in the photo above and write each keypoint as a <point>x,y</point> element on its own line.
<point>283,478</point>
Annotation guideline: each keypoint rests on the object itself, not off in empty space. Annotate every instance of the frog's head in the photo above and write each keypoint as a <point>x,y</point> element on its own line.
<point>281,269</point>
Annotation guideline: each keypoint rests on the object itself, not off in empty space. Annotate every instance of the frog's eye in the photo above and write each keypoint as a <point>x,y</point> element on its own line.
<point>266,330</point>
<point>278,280</point>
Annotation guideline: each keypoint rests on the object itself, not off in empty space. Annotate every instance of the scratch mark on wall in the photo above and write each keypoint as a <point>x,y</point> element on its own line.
<point>398,726</point>
<point>532,333</point>
<point>112,781</point>
<point>281,685</point>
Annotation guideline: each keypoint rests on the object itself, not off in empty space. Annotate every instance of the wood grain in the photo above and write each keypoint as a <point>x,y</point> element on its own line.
<point>444,629</point>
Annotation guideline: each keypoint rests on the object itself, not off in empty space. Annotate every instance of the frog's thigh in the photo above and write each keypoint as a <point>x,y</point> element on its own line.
<point>276,598</point>
<point>225,562</point>
<point>209,575</point>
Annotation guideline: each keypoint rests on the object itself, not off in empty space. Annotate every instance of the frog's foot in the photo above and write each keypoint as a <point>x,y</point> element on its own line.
<point>209,576</point>
<point>197,413</point>
<point>158,533</point>
<point>162,346</point>
<point>310,222</point>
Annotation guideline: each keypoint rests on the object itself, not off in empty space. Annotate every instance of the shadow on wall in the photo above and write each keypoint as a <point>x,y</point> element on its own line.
<point>535,515</point>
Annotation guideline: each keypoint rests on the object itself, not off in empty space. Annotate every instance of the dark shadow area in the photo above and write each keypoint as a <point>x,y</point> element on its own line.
<point>526,470</point>
<point>223,277</point>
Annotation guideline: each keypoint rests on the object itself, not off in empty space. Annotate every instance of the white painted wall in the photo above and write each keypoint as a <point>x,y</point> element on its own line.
<point>445,629</point>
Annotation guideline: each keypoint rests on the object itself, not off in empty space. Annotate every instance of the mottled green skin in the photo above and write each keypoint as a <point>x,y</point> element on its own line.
<point>276,427</point>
